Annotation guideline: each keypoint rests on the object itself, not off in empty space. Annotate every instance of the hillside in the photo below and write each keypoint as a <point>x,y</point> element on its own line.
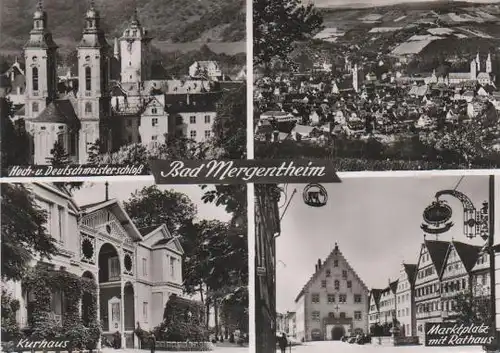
<point>167,20</point>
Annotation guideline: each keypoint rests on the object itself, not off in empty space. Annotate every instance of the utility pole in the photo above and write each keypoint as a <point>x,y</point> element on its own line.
<point>491,251</point>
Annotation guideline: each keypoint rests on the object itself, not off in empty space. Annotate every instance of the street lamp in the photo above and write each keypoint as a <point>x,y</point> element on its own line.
<point>476,222</point>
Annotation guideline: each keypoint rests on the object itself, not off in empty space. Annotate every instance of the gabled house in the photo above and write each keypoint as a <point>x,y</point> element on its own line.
<point>456,275</point>
<point>333,303</point>
<point>427,283</point>
<point>405,295</point>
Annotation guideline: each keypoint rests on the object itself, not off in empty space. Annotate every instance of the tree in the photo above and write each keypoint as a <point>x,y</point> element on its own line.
<point>472,309</point>
<point>93,154</point>
<point>218,265</point>
<point>278,25</point>
<point>59,157</point>
<point>229,129</point>
<point>23,231</point>
<point>14,140</point>
<point>151,206</point>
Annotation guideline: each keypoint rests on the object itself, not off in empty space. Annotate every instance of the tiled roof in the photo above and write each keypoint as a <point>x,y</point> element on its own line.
<point>146,230</point>
<point>376,294</point>
<point>411,271</point>
<point>335,251</point>
<point>468,254</point>
<point>437,250</point>
<point>393,286</point>
<point>59,111</point>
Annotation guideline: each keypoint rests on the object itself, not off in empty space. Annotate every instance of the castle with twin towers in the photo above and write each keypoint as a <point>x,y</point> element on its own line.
<point>113,113</point>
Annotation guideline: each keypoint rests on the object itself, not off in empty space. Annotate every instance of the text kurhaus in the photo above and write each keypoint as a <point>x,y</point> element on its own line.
<point>222,170</point>
<point>27,343</point>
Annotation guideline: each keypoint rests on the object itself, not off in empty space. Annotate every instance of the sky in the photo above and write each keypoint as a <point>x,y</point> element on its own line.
<point>376,223</point>
<point>95,192</point>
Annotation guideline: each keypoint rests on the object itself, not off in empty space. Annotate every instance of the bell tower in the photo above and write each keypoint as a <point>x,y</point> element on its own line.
<point>135,53</point>
<point>40,57</point>
<point>94,108</point>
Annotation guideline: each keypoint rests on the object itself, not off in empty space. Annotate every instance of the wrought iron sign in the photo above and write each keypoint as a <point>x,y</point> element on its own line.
<point>437,216</point>
<point>315,195</point>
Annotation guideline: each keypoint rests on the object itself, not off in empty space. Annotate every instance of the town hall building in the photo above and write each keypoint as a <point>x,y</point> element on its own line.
<point>333,303</point>
<point>136,270</point>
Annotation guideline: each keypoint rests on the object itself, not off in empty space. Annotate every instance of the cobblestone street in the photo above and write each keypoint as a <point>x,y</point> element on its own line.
<point>233,349</point>
<point>341,347</point>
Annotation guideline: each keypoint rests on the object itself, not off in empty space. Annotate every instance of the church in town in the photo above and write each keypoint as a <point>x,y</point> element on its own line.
<point>113,99</point>
<point>136,270</point>
<point>478,73</point>
<point>333,303</point>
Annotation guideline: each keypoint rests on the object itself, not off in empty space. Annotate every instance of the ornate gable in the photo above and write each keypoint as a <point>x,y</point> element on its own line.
<point>110,220</point>
<point>107,223</point>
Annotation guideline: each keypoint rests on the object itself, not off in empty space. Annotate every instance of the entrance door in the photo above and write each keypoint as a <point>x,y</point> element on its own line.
<point>338,332</point>
<point>114,312</point>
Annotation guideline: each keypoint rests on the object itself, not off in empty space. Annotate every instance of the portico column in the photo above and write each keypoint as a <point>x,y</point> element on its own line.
<point>98,299</point>
<point>136,317</point>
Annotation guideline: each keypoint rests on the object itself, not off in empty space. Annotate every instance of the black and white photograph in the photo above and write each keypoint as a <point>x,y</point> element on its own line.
<point>378,85</point>
<point>101,81</point>
<point>372,264</point>
<point>124,266</point>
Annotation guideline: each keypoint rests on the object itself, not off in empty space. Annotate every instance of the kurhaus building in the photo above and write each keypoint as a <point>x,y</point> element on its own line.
<point>136,270</point>
<point>333,303</point>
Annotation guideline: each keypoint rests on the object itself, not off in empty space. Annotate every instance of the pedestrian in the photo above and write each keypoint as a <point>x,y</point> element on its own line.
<point>283,342</point>
<point>153,342</point>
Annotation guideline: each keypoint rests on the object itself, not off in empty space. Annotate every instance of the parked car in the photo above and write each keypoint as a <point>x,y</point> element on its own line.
<point>363,339</point>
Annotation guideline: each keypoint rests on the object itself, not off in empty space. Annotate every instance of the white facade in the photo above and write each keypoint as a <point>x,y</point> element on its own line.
<point>99,241</point>
<point>334,302</point>
<point>154,122</point>
<point>427,286</point>
<point>210,69</point>
<point>405,296</point>
<point>197,125</point>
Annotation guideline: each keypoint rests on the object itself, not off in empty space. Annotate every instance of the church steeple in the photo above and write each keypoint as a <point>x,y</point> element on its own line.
<point>135,52</point>
<point>93,82</point>
<point>40,57</point>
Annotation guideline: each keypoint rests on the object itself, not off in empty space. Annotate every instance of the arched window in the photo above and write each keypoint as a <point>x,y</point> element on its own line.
<point>34,74</point>
<point>35,107</point>
<point>88,107</point>
<point>337,284</point>
<point>88,78</point>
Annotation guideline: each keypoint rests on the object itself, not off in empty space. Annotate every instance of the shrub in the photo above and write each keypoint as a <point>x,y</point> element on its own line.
<point>182,320</point>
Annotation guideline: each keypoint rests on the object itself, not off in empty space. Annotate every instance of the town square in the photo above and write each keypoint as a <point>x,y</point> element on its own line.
<point>381,263</point>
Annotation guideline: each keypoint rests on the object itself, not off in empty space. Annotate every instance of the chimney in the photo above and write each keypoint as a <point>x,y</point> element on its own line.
<point>336,247</point>
<point>316,268</point>
<point>319,264</point>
